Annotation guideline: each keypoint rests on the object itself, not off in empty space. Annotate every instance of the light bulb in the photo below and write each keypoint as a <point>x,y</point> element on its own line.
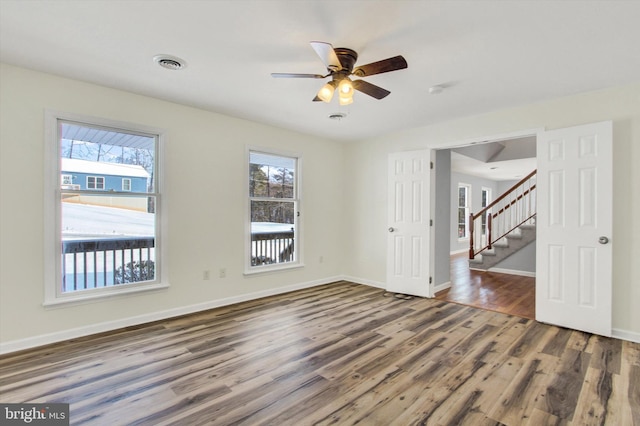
<point>345,90</point>
<point>345,87</point>
<point>326,92</point>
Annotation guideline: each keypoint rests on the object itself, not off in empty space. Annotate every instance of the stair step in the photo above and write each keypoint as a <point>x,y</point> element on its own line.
<point>504,247</point>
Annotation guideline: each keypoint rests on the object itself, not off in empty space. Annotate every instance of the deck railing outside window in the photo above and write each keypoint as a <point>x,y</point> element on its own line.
<point>104,262</point>
<point>272,247</point>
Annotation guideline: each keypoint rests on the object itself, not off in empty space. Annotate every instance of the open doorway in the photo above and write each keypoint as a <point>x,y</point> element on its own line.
<point>467,179</point>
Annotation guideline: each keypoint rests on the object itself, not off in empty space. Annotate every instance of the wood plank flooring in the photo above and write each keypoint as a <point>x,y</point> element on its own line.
<point>509,294</point>
<point>342,354</point>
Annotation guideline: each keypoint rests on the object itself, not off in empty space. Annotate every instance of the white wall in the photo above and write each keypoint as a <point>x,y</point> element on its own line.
<point>622,105</point>
<point>205,155</point>
<point>344,212</point>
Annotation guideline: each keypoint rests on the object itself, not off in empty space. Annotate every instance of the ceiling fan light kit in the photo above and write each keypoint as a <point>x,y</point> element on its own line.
<point>326,92</point>
<point>345,90</point>
<point>340,62</point>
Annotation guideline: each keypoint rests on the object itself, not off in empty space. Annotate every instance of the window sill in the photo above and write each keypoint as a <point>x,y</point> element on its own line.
<point>256,270</point>
<point>91,296</point>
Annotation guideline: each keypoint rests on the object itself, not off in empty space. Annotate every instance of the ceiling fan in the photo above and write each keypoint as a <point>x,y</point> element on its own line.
<point>340,63</point>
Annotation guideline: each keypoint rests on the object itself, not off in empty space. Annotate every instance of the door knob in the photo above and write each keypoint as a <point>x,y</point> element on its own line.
<point>603,240</point>
<point>391,229</point>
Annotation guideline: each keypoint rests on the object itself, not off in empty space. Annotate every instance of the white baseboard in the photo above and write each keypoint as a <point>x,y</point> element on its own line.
<point>74,333</point>
<point>442,286</point>
<point>459,251</point>
<point>511,272</point>
<point>631,336</point>
<point>365,281</point>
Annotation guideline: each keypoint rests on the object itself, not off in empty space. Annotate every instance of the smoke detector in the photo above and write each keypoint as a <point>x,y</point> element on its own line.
<point>169,62</point>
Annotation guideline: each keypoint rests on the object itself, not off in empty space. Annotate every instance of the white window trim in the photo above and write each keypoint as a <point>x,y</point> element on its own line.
<point>466,221</point>
<point>123,186</point>
<point>298,263</point>
<point>65,176</point>
<point>52,216</point>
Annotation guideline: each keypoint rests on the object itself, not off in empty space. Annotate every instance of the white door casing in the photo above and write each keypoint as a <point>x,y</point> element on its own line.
<point>574,228</point>
<point>408,233</point>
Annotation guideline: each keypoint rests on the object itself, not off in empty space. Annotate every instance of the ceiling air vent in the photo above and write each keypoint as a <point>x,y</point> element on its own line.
<point>337,116</point>
<point>169,62</point>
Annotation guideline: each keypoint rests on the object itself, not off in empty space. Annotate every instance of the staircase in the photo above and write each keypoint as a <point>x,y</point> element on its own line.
<point>517,239</point>
<point>504,226</point>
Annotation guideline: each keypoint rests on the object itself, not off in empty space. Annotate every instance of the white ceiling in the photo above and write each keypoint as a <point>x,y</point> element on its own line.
<point>496,171</point>
<point>489,54</point>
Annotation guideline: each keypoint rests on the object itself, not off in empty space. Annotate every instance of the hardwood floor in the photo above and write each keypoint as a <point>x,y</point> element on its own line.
<point>510,294</point>
<point>343,354</point>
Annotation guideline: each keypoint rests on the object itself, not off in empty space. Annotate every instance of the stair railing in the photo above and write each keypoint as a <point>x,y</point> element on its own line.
<point>515,207</point>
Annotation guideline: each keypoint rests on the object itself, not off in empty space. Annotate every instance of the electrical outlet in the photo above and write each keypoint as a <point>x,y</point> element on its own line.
<point>206,274</point>
<point>223,272</point>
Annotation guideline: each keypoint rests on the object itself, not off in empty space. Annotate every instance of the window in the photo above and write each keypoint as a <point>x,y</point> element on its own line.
<point>464,204</point>
<point>103,236</point>
<point>95,182</point>
<point>273,240</point>
<point>486,200</point>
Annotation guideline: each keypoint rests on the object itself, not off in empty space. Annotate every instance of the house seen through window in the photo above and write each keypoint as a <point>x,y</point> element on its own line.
<point>107,203</point>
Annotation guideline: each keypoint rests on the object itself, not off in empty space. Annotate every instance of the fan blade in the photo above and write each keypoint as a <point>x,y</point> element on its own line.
<point>370,89</point>
<point>386,65</point>
<point>327,54</point>
<point>289,75</point>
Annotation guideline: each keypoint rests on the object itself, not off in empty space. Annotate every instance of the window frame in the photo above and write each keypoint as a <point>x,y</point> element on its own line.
<point>489,195</point>
<point>250,269</point>
<point>467,208</point>
<point>96,179</point>
<point>128,188</point>
<point>53,294</point>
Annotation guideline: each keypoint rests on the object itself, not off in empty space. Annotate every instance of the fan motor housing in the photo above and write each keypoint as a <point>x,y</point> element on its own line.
<point>347,57</point>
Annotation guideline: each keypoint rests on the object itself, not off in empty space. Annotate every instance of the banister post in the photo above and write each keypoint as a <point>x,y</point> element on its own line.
<point>489,230</point>
<point>471,251</point>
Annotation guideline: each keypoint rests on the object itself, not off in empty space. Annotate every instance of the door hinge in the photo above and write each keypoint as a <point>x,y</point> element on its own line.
<point>431,164</point>
<point>430,280</point>
<point>430,222</point>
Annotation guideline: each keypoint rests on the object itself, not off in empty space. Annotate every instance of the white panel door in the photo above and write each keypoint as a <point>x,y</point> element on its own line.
<point>408,233</point>
<point>574,225</point>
